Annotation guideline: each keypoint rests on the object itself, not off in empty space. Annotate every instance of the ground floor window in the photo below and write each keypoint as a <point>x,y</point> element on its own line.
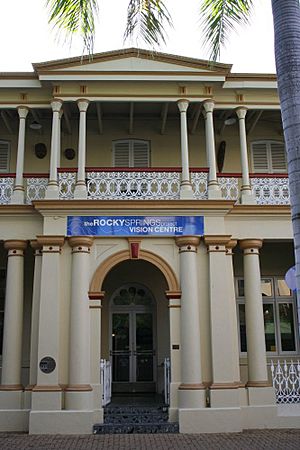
<point>280,319</point>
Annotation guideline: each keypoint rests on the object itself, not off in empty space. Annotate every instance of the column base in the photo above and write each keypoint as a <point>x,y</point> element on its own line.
<point>80,400</point>
<point>210,420</point>
<point>224,398</point>
<point>173,408</point>
<point>261,395</point>
<point>191,398</point>
<point>18,196</point>
<point>11,399</point>
<point>80,192</point>
<point>214,192</point>
<point>14,420</point>
<point>186,191</point>
<point>61,422</point>
<point>247,198</point>
<point>52,191</point>
<point>46,400</point>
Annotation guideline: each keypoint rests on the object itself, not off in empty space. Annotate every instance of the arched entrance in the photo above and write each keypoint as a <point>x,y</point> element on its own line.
<point>133,339</point>
<point>155,275</point>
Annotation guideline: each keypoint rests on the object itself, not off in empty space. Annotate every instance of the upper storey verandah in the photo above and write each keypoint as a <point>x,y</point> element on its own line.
<point>136,124</point>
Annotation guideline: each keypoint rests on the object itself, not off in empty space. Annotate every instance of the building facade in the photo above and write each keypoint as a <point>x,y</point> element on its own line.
<point>145,215</point>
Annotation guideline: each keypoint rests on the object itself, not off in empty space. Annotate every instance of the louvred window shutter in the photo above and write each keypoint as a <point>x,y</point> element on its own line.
<point>4,156</point>
<point>131,153</point>
<point>268,157</point>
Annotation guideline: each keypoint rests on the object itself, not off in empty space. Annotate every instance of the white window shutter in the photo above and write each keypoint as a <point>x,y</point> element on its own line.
<point>4,156</point>
<point>121,154</point>
<point>260,157</point>
<point>278,157</point>
<point>131,153</point>
<point>140,153</point>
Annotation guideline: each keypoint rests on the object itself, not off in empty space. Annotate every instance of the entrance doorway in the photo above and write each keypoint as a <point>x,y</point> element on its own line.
<point>132,346</point>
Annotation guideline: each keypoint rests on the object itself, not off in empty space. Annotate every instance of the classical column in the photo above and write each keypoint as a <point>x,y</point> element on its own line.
<point>233,312</point>
<point>175,351</point>
<point>80,187</point>
<point>18,195</point>
<point>213,185</point>
<point>52,191</point>
<point>47,394</point>
<point>247,196</point>
<point>191,390</point>
<point>186,190</point>
<point>95,305</point>
<point>78,392</point>
<point>35,311</point>
<point>13,317</point>
<point>59,140</point>
<point>224,389</point>
<point>256,347</point>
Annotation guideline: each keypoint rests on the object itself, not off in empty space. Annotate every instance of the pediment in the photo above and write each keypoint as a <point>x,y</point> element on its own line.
<point>131,61</point>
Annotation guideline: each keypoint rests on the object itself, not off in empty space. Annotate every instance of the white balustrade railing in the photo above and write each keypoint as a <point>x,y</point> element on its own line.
<point>105,381</point>
<point>271,191</point>
<point>167,380</point>
<point>148,185</point>
<point>35,189</point>
<point>286,381</point>
<point>6,189</point>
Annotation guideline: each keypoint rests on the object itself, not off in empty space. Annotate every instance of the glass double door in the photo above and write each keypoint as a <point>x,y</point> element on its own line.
<point>132,347</point>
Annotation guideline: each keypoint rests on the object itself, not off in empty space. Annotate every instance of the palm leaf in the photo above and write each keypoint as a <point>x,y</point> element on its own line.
<point>219,18</point>
<point>75,17</point>
<point>146,20</point>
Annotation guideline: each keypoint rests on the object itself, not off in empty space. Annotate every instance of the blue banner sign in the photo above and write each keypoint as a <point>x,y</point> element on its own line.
<point>135,225</point>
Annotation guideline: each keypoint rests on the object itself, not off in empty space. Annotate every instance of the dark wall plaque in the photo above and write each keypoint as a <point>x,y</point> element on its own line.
<point>47,364</point>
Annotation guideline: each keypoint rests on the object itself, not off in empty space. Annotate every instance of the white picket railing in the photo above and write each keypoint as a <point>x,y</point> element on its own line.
<point>167,380</point>
<point>286,381</point>
<point>105,380</point>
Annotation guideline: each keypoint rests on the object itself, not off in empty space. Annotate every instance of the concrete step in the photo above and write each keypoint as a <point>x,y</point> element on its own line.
<point>134,428</point>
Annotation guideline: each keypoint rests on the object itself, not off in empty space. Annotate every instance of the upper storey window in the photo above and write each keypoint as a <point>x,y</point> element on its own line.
<point>268,157</point>
<point>4,156</point>
<point>131,153</point>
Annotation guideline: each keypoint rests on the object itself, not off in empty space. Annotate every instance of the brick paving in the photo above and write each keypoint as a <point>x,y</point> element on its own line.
<point>248,440</point>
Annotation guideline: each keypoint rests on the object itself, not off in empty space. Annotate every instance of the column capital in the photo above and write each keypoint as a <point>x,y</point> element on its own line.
<point>15,244</point>
<point>187,243</point>
<point>22,111</point>
<point>93,295</point>
<point>208,106</point>
<point>230,246</point>
<point>214,239</point>
<point>83,104</point>
<point>49,240</point>
<point>37,247</point>
<point>241,112</point>
<point>183,105</point>
<point>80,243</point>
<point>173,294</point>
<point>56,104</point>
<point>246,244</point>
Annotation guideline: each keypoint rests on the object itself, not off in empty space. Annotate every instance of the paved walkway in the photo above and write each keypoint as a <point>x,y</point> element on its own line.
<point>248,440</point>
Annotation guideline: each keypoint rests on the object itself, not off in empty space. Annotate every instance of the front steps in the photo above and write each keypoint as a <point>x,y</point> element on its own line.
<point>135,419</point>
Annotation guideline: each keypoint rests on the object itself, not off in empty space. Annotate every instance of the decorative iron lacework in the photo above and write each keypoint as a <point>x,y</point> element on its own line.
<point>35,189</point>
<point>66,183</point>
<point>286,381</point>
<point>229,187</point>
<point>199,183</point>
<point>271,191</point>
<point>6,189</point>
<point>133,185</point>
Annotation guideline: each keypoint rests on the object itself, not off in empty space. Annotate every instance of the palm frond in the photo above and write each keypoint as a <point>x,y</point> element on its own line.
<point>219,18</point>
<point>75,17</point>
<point>146,20</point>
